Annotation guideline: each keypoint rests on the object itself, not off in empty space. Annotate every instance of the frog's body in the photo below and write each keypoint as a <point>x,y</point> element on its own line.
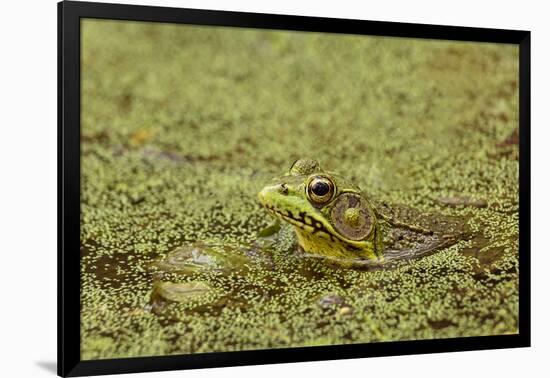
<point>334,219</point>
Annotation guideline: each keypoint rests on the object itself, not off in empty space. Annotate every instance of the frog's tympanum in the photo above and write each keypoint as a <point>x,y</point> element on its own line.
<point>334,219</point>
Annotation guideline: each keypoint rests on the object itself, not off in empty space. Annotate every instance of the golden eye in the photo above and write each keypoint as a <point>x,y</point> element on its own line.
<point>320,190</point>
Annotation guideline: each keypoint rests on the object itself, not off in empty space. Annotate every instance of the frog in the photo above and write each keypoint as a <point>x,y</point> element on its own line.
<point>338,222</point>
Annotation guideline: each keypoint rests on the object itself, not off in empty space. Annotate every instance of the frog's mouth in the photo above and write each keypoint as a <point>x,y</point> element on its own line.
<point>301,220</point>
<point>288,205</point>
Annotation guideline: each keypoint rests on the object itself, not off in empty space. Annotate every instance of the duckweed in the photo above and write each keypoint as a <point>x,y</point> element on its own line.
<point>181,127</point>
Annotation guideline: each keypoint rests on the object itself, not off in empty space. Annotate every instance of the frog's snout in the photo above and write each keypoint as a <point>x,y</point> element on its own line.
<point>266,194</point>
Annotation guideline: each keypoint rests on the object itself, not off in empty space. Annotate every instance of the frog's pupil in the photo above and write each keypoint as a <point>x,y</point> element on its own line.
<point>320,188</point>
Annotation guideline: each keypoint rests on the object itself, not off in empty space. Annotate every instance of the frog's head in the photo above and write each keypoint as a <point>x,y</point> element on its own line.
<point>330,215</point>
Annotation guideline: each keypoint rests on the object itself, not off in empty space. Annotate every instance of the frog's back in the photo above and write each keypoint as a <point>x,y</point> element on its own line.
<point>410,233</point>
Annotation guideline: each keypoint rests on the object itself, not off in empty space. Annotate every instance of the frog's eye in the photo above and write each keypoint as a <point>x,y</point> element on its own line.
<point>320,190</point>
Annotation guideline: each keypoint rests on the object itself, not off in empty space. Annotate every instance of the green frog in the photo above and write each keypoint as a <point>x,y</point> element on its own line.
<point>335,220</point>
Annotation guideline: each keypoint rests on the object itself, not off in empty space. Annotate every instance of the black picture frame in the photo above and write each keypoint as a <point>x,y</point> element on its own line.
<point>69,16</point>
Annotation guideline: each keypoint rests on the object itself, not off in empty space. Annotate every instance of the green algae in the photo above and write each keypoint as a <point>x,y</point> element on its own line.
<point>181,127</point>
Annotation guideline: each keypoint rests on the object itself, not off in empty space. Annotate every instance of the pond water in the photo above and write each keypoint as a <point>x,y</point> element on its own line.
<point>181,128</point>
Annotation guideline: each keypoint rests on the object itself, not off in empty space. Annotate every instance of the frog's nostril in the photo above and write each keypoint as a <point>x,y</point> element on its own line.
<point>283,189</point>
